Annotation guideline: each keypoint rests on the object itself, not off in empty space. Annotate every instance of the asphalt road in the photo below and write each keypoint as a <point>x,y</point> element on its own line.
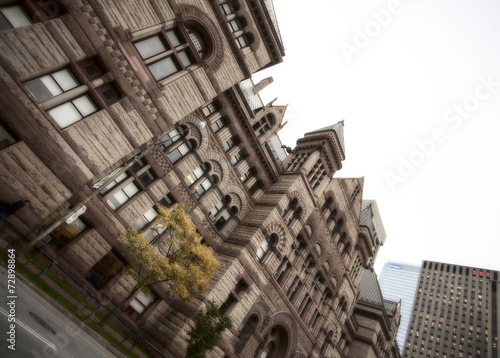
<point>40,331</point>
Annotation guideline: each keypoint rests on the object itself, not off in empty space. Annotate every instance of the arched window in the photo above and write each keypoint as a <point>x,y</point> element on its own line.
<point>341,242</point>
<point>292,212</point>
<point>331,217</point>
<point>222,212</point>
<point>327,343</point>
<point>347,249</point>
<point>200,181</point>
<point>270,242</point>
<point>246,330</point>
<point>173,136</point>
<point>326,204</point>
<point>338,226</point>
<point>198,41</point>
<point>169,52</point>
<point>276,345</point>
<point>243,41</point>
<point>181,150</point>
<point>317,250</point>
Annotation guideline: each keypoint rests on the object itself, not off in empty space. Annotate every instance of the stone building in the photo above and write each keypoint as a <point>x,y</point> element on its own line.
<point>162,91</point>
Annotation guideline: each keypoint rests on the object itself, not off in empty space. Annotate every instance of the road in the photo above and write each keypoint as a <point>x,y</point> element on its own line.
<point>40,331</point>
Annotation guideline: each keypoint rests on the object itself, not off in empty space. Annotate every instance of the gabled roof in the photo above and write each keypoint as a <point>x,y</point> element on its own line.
<point>338,128</point>
<point>370,293</point>
<point>253,99</point>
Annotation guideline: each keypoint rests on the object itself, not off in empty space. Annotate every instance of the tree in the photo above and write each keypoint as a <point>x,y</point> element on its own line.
<point>177,257</point>
<point>206,333</point>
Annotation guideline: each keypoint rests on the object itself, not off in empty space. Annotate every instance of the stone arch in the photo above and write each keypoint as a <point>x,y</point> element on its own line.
<point>308,230</point>
<point>201,136</point>
<point>300,203</point>
<point>282,321</point>
<point>213,156</point>
<point>325,264</point>
<point>276,228</point>
<point>237,191</point>
<point>193,15</point>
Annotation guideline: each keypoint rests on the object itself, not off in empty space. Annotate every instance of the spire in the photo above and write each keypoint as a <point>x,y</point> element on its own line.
<point>338,128</point>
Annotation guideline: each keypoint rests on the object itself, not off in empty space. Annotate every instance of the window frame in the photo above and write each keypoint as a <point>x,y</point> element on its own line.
<point>26,21</point>
<point>178,49</point>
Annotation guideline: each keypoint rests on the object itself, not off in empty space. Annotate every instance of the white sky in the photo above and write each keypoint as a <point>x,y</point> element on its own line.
<point>396,91</point>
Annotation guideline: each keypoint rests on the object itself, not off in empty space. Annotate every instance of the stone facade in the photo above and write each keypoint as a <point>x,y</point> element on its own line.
<point>94,86</point>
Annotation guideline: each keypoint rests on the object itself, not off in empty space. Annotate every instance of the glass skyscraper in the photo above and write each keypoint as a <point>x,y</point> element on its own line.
<point>398,281</point>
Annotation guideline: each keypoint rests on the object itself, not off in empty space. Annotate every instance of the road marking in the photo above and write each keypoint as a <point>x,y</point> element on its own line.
<point>31,331</point>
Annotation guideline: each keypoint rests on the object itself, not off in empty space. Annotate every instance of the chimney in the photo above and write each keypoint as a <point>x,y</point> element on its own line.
<point>262,84</point>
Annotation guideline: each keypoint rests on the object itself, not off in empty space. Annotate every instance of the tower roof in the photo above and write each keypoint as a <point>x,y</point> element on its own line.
<point>338,129</point>
<point>370,293</point>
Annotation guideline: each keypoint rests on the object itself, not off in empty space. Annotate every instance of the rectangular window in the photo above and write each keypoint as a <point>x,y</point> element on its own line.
<point>215,210</point>
<point>13,16</point>
<point>165,54</point>
<point>139,303</point>
<point>237,157</point>
<point>223,219</point>
<point>178,152</point>
<point>208,110</point>
<point>122,195</point>
<point>146,218</point>
<point>104,270</point>
<point>201,188</point>
<point>192,177</point>
<point>63,234</point>
<point>228,144</point>
<point>167,200</point>
<point>217,125</point>
<point>147,178</point>
<point>48,86</point>
<point>71,112</point>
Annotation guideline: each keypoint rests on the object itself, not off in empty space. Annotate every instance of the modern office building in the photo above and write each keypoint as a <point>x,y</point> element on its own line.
<point>158,96</point>
<point>398,282</point>
<point>455,313</point>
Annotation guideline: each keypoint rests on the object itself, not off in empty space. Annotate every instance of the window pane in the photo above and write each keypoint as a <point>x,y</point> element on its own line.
<point>130,189</point>
<point>44,88</point>
<point>147,178</point>
<point>198,172</point>
<point>150,47</point>
<point>183,149</point>
<point>65,79</point>
<point>139,223</point>
<point>206,184</point>
<point>174,156</point>
<point>150,215</point>
<point>85,105</point>
<point>117,199</point>
<point>5,138</point>
<point>137,306</point>
<point>16,16</point>
<point>65,114</point>
<point>163,68</point>
<point>174,40</point>
<point>184,58</point>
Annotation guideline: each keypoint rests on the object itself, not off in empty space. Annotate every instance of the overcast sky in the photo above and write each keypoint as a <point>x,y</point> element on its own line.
<point>418,85</point>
